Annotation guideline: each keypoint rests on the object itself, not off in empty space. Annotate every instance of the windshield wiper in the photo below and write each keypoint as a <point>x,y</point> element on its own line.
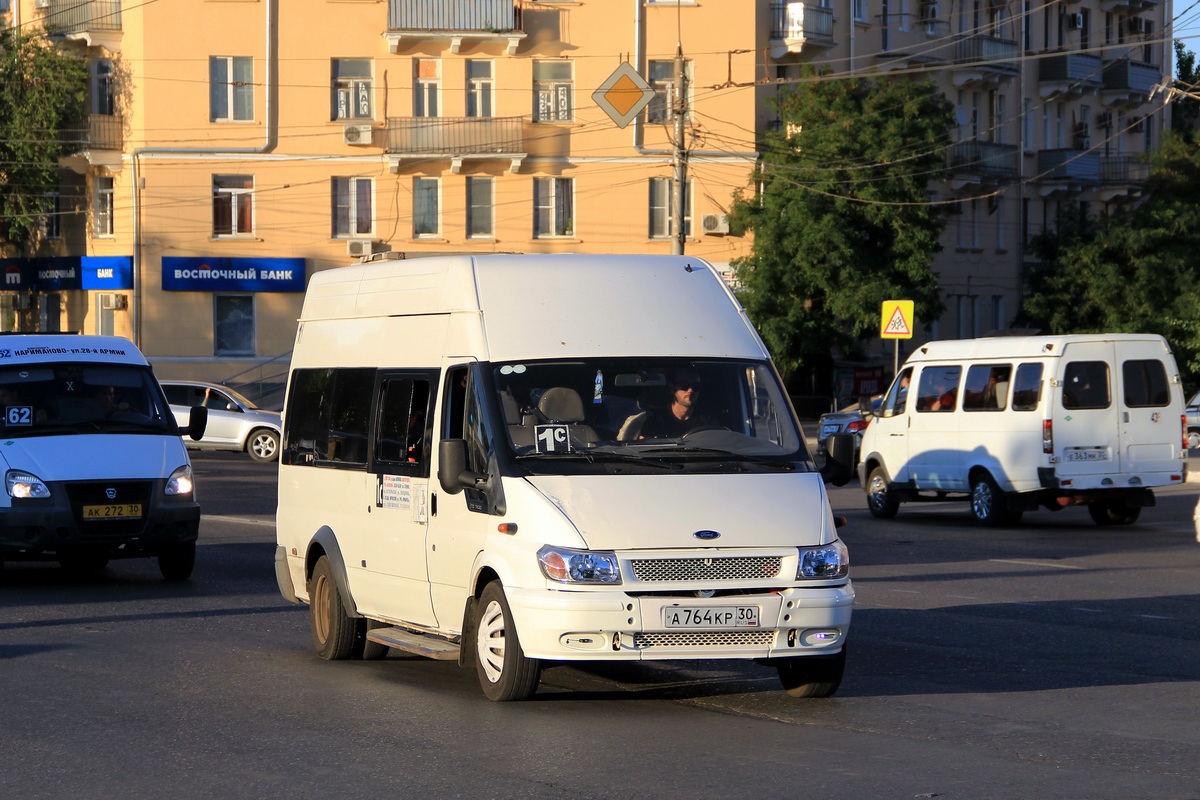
<point>602,456</point>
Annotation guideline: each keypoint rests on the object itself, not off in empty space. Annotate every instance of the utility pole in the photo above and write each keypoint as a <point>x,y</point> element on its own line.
<point>679,187</point>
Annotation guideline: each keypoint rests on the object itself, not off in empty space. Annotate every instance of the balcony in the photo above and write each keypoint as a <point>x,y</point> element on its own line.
<point>800,27</point>
<point>1128,83</point>
<point>456,139</point>
<point>1122,177</point>
<point>985,61</point>
<point>100,144</point>
<point>97,23</point>
<point>1066,170</point>
<point>1069,74</point>
<point>909,40</point>
<point>1127,6</point>
<point>455,21</point>
<point>984,161</point>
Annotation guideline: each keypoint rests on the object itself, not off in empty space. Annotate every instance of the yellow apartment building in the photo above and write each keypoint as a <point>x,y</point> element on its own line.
<point>236,147</point>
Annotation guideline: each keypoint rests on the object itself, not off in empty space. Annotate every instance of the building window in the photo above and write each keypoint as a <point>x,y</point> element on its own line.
<point>480,208</point>
<point>352,88</point>
<point>662,78</point>
<point>662,205</point>
<point>49,223</point>
<point>480,88</point>
<point>102,206</point>
<point>230,88</point>
<point>999,323</point>
<point>552,207</point>
<point>553,84</point>
<point>352,207</point>
<point>233,325</point>
<point>425,207</point>
<point>860,9</point>
<point>233,205</point>
<point>103,98</point>
<point>427,84</point>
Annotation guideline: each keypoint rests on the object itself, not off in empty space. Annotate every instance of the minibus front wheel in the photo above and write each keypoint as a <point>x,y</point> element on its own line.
<point>505,673</point>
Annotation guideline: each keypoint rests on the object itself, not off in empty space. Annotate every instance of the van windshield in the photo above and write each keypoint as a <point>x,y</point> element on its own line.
<point>646,407</point>
<point>72,398</point>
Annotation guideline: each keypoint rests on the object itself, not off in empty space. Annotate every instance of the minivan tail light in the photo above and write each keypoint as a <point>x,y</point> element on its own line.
<point>1183,428</point>
<point>1047,436</point>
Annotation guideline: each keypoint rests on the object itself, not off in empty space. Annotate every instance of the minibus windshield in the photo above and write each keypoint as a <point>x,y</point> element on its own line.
<point>652,407</point>
<point>73,398</point>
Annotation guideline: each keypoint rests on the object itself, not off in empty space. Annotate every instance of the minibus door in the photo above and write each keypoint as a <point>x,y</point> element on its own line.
<point>1086,421</point>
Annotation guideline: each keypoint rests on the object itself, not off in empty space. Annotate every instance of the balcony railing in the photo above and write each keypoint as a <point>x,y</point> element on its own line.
<point>1124,74</point>
<point>1080,70</point>
<point>1080,166</point>
<point>1124,169</point>
<point>801,21</point>
<point>997,55</point>
<point>989,159</point>
<point>494,16</point>
<point>103,132</point>
<point>913,36</point>
<point>455,136</point>
<point>66,17</point>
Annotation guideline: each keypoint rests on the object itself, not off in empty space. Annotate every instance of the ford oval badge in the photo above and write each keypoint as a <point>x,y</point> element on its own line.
<point>707,535</point>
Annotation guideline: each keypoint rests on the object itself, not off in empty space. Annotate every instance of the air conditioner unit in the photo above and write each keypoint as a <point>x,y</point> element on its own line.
<point>715,223</point>
<point>41,3</point>
<point>1075,21</point>
<point>360,247</point>
<point>1138,25</point>
<point>1083,143</point>
<point>356,134</point>
<point>929,11</point>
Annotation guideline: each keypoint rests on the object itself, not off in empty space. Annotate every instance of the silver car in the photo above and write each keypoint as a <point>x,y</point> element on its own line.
<point>848,420</point>
<point>1193,422</point>
<point>234,423</point>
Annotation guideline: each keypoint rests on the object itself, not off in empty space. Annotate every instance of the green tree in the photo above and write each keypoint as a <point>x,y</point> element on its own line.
<point>1185,112</point>
<point>842,218</point>
<point>1132,273</point>
<point>43,91</point>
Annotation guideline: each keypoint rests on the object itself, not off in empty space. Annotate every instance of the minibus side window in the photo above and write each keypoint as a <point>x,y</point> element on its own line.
<point>898,395</point>
<point>1027,388</point>
<point>1145,384</point>
<point>987,387</point>
<point>401,443</point>
<point>938,388</point>
<point>463,417</point>
<point>327,417</point>
<point>1085,385</point>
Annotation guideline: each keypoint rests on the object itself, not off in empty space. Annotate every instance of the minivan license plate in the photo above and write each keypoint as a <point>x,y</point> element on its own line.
<point>710,617</point>
<point>1088,454</point>
<point>114,511</point>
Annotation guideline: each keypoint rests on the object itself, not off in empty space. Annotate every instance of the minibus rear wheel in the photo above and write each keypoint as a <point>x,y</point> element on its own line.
<point>504,671</point>
<point>332,628</point>
<point>1110,512</point>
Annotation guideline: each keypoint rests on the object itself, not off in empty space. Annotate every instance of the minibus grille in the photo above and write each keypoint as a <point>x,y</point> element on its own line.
<point>704,639</point>
<point>95,493</point>
<point>732,568</point>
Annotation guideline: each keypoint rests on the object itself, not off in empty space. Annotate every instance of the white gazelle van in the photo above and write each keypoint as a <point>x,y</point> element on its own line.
<point>93,460</point>
<point>482,461</point>
<point>1014,423</point>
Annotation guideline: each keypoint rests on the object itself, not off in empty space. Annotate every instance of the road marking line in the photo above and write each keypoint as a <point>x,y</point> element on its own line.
<point>1034,563</point>
<point>243,520</point>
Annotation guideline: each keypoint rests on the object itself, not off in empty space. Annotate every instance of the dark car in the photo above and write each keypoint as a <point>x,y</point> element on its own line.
<point>847,420</point>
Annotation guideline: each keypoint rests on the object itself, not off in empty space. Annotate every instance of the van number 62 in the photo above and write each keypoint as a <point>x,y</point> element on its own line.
<point>18,415</point>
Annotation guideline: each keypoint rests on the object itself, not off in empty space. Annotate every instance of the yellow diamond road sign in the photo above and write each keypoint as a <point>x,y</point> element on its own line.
<point>623,95</point>
<point>897,319</point>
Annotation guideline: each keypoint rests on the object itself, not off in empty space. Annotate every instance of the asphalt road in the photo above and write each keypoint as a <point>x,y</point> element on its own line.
<point>1052,660</point>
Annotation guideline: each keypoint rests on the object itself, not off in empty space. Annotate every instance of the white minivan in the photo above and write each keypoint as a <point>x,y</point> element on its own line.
<point>1014,423</point>
<point>514,460</point>
<point>93,460</point>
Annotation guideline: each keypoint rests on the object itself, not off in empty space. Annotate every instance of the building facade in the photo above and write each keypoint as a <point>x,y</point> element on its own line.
<point>235,147</point>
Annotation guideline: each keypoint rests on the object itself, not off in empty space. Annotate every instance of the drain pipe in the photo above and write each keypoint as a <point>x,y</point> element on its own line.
<point>269,143</point>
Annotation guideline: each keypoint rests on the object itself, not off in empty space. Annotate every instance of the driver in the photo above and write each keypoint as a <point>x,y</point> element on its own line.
<point>682,415</point>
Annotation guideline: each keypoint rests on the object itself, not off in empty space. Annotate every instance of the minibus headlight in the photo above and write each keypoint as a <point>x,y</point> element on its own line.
<point>564,565</point>
<point>180,483</point>
<point>824,562</point>
<point>24,485</point>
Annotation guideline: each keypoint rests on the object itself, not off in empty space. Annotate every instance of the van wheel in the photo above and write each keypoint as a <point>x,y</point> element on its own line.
<point>263,445</point>
<point>504,671</point>
<point>812,676</point>
<point>364,648</point>
<point>1193,439</point>
<point>988,504</point>
<point>1113,512</point>
<point>332,628</point>
<point>881,503</point>
<point>176,561</point>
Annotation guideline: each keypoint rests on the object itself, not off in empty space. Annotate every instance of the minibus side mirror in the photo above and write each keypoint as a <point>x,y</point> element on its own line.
<point>197,423</point>
<point>452,466</point>
<point>839,459</point>
<point>866,407</point>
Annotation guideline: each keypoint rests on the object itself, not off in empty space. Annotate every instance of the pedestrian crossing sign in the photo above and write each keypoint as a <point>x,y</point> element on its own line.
<point>896,319</point>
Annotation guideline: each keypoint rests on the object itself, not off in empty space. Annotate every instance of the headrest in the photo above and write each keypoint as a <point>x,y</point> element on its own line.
<point>512,411</point>
<point>560,404</point>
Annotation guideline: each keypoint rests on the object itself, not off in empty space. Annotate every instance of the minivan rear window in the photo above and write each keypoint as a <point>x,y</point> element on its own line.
<point>1145,383</point>
<point>1085,385</point>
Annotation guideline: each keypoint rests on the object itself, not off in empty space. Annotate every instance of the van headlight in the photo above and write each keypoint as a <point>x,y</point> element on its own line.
<point>180,483</point>
<point>564,565</point>
<point>25,485</point>
<point>824,562</point>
